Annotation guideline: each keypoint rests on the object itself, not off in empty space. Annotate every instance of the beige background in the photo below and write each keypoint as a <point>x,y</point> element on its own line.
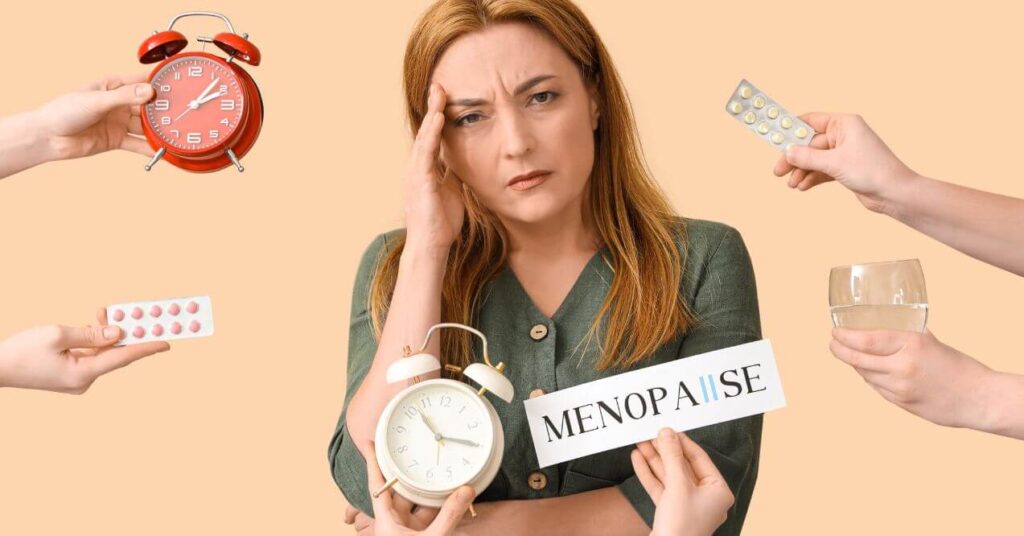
<point>229,434</point>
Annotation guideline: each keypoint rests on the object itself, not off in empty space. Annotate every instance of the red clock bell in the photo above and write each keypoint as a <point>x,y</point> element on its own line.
<point>207,112</point>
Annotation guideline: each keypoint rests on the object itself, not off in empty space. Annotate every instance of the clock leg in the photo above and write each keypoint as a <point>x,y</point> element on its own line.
<point>385,487</point>
<point>234,160</point>
<point>156,158</point>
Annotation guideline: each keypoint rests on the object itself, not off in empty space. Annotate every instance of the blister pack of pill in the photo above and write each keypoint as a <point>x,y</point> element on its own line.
<point>162,320</point>
<point>766,118</point>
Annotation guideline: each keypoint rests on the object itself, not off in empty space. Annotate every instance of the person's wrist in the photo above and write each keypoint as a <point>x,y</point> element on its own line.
<point>992,413</point>
<point>39,145</point>
<point>424,252</point>
<point>899,189</point>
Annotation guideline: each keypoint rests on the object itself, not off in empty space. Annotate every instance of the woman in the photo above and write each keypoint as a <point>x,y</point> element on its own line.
<point>531,215</point>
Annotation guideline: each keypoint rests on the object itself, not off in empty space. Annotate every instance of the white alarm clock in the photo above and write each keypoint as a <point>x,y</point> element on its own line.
<point>437,435</point>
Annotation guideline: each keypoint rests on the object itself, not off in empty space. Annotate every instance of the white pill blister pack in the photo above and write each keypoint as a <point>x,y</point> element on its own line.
<point>162,320</point>
<point>766,118</point>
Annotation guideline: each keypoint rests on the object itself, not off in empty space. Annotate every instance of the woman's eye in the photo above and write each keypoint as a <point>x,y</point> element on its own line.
<point>465,120</point>
<point>544,97</point>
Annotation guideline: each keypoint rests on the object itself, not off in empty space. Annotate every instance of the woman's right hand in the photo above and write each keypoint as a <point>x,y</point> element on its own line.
<point>434,209</point>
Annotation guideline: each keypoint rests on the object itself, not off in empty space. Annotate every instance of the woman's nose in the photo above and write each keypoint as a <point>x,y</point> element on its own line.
<point>518,137</point>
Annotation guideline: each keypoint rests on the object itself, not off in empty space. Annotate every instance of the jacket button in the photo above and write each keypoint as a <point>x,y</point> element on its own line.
<point>537,480</point>
<point>538,332</point>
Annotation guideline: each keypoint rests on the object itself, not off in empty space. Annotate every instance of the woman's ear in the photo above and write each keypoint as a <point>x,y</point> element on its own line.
<point>595,112</point>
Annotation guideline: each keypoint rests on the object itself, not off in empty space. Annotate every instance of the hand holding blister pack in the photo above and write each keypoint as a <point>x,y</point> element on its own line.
<point>162,320</point>
<point>767,118</point>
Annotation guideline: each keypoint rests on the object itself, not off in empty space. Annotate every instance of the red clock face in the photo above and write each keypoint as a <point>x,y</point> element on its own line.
<point>199,104</point>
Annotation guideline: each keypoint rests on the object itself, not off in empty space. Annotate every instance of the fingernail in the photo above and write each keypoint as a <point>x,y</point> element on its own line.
<point>111,332</point>
<point>465,494</point>
<point>142,90</point>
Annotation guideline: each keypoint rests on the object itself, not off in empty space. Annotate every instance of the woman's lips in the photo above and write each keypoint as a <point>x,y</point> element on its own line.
<point>529,183</point>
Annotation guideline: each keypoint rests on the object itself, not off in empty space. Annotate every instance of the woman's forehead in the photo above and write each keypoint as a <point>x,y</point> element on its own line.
<point>499,58</point>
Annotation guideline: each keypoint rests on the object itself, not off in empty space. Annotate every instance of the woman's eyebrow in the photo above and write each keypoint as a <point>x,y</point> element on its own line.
<point>525,86</point>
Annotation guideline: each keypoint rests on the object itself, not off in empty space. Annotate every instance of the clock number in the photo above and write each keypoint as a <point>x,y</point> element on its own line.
<point>223,88</point>
<point>465,462</point>
<point>162,105</point>
<point>224,121</point>
<point>227,105</point>
<point>430,473</point>
<point>402,449</point>
<point>165,88</point>
<point>165,120</point>
<point>410,411</point>
<point>425,402</point>
<point>399,429</point>
<point>214,134</point>
<point>176,132</point>
<point>177,75</point>
<point>195,71</point>
<point>461,410</point>
<point>414,464</point>
<point>194,137</point>
<point>450,473</point>
<point>473,425</point>
<point>446,401</point>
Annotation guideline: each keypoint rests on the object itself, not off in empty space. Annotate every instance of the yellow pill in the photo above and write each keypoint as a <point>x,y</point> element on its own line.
<point>762,127</point>
<point>759,102</point>
<point>786,122</point>
<point>777,137</point>
<point>746,92</point>
<point>800,132</point>
<point>772,112</point>
<point>735,107</point>
<point>749,118</point>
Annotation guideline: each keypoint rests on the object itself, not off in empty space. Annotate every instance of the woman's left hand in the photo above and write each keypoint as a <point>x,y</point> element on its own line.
<point>691,496</point>
<point>396,515</point>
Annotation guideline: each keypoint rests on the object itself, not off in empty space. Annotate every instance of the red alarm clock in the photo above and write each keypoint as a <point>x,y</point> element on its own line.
<point>207,112</point>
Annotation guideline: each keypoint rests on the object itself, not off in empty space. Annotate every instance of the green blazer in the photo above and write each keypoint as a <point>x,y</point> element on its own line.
<point>718,284</point>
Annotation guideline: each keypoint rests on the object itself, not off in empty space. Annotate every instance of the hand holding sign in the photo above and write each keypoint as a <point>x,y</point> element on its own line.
<point>691,496</point>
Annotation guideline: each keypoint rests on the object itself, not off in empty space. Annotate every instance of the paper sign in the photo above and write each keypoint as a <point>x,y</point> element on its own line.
<point>630,407</point>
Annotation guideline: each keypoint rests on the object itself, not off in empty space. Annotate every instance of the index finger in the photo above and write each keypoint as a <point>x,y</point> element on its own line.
<point>677,468</point>
<point>116,81</point>
<point>782,166</point>
<point>874,342</point>
<point>428,138</point>
<point>110,359</point>
<point>817,120</point>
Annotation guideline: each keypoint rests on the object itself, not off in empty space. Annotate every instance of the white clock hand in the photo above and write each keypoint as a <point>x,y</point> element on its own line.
<point>208,98</point>
<point>437,436</point>
<point>463,441</point>
<point>199,99</point>
<point>194,103</point>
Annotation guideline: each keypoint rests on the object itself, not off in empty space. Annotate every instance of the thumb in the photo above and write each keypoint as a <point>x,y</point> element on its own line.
<point>452,511</point>
<point>809,158</point>
<point>89,337</point>
<point>128,95</point>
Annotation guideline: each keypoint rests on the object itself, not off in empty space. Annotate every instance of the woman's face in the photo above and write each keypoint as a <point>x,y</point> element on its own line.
<point>517,104</point>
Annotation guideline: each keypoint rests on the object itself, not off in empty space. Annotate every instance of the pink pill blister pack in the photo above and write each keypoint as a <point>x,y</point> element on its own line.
<point>162,320</point>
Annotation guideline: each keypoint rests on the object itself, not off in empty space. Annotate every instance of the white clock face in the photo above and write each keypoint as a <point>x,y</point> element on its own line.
<point>439,436</point>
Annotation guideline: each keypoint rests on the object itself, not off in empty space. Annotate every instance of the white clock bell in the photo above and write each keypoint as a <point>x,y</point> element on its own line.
<point>437,435</point>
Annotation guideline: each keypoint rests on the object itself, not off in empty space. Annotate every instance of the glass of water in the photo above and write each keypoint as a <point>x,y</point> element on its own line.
<point>879,295</point>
